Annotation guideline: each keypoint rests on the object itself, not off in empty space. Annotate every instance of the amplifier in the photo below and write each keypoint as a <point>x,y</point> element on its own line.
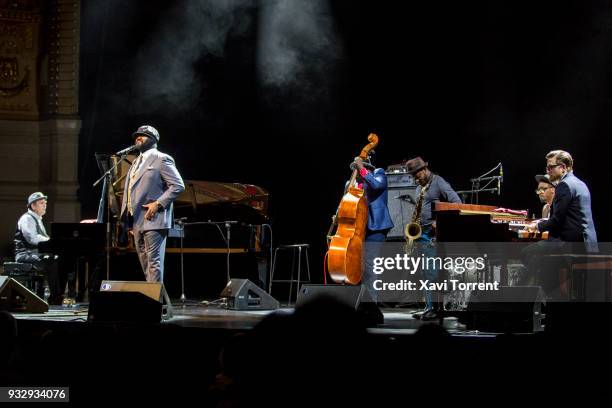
<point>400,179</point>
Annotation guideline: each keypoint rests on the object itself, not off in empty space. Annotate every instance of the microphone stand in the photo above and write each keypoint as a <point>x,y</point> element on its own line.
<point>476,184</point>
<point>107,177</point>
<point>228,225</point>
<point>181,225</point>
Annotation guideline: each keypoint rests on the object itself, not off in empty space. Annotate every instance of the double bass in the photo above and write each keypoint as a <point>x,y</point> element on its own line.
<point>344,256</point>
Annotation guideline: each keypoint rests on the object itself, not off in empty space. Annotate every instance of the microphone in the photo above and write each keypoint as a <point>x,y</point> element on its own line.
<point>500,179</point>
<point>127,150</point>
<point>227,226</point>
<point>180,220</point>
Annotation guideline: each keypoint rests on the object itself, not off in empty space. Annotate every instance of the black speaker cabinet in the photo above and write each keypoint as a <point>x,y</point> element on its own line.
<point>511,309</point>
<point>355,296</point>
<point>14,297</point>
<point>242,294</point>
<point>130,301</point>
<point>401,202</point>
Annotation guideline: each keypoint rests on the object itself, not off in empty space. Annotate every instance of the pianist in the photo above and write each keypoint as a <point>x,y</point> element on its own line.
<point>30,232</point>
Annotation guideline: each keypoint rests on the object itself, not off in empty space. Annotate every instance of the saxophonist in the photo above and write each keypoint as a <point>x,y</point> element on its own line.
<point>431,188</point>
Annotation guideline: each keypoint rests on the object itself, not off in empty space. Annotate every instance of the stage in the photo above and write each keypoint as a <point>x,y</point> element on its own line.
<point>191,314</point>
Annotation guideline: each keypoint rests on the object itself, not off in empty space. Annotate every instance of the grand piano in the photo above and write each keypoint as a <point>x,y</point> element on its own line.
<point>202,201</point>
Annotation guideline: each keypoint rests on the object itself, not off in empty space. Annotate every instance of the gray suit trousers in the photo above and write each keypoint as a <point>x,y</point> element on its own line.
<point>151,248</point>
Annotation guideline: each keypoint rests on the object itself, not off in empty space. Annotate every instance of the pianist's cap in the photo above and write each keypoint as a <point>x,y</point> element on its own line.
<point>35,197</point>
<point>147,130</point>
<point>414,165</point>
<point>544,178</point>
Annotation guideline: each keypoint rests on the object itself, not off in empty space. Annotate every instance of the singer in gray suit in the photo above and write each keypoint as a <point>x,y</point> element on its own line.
<point>151,186</point>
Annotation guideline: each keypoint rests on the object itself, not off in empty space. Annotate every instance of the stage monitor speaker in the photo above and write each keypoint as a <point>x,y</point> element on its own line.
<point>511,309</point>
<point>130,301</point>
<point>401,202</point>
<point>14,297</point>
<point>242,294</point>
<point>355,296</point>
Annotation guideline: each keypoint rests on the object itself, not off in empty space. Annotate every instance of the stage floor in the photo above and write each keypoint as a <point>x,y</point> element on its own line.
<point>397,321</point>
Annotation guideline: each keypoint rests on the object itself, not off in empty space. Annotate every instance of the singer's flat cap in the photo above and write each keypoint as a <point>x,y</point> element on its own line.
<point>148,131</point>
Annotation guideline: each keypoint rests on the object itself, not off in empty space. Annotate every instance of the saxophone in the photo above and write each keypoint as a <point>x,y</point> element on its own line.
<point>413,230</point>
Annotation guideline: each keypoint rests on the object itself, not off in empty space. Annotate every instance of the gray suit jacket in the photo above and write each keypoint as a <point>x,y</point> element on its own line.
<point>157,179</point>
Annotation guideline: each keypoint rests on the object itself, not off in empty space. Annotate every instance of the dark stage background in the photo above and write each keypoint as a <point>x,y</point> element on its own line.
<point>284,94</point>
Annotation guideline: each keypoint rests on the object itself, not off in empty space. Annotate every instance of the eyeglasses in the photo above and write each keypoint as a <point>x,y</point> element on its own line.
<point>541,190</point>
<point>552,166</point>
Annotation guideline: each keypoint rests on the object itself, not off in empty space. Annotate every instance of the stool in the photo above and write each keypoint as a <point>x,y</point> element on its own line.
<point>27,274</point>
<point>295,249</point>
<point>596,268</point>
<point>586,276</point>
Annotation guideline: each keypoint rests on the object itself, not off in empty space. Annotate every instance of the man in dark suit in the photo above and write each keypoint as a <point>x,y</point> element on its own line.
<point>570,222</point>
<point>151,186</point>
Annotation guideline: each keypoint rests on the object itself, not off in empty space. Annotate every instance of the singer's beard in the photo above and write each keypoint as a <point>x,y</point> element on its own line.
<point>143,147</point>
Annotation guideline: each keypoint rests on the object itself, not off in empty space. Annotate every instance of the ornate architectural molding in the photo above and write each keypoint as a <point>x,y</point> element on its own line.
<point>19,52</point>
<point>39,123</point>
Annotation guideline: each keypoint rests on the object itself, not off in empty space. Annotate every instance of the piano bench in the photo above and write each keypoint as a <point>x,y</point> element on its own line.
<point>17,268</point>
<point>27,274</point>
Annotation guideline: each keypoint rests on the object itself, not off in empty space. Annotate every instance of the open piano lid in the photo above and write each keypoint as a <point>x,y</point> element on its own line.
<point>223,201</point>
<point>201,200</point>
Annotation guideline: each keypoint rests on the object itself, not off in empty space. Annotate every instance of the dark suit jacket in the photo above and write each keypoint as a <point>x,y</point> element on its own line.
<point>571,219</point>
<point>376,194</point>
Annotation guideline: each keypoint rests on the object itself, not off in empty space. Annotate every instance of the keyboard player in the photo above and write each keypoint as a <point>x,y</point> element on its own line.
<point>29,234</point>
<point>546,193</point>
